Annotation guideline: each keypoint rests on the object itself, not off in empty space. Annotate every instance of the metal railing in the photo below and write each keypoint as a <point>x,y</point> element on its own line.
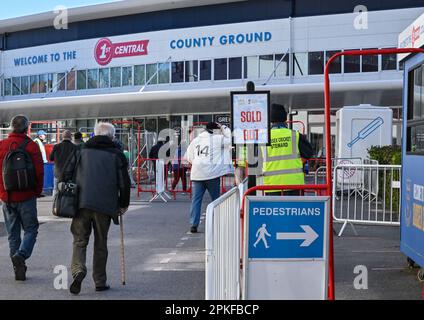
<point>223,246</point>
<point>366,194</point>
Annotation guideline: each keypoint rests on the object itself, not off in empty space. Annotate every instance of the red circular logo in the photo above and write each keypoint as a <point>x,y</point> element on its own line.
<point>103,51</point>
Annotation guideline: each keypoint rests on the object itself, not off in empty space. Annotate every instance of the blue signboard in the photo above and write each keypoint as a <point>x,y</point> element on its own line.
<point>287,227</point>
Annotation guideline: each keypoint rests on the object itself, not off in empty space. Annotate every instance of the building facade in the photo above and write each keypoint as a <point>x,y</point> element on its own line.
<point>164,62</point>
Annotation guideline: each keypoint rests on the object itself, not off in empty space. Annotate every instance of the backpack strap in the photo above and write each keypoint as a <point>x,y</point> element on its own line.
<point>24,144</point>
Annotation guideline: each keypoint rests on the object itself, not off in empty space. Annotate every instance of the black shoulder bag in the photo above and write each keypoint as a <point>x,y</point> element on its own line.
<point>65,203</point>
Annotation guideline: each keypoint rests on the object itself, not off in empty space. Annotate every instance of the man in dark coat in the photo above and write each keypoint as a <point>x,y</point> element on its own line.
<point>61,153</point>
<point>104,194</point>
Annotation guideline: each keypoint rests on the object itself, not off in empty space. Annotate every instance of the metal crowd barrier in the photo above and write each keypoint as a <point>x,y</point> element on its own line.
<point>182,177</point>
<point>223,246</point>
<point>366,194</point>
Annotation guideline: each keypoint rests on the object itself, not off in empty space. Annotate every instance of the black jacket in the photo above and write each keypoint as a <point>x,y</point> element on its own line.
<point>60,154</point>
<point>102,177</point>
<point>154,152</point>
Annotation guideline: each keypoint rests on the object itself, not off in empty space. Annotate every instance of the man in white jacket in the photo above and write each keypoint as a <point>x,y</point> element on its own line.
<point>210,157</point>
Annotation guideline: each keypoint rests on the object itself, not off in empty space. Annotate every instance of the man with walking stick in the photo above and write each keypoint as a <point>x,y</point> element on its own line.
<point>104,196</point>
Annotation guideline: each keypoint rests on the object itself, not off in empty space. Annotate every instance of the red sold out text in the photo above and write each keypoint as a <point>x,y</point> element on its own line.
<point>251,116</point>
<point>252,134</point>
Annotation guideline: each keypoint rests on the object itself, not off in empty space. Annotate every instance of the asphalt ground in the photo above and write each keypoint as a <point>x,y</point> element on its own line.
<point>164,261</point>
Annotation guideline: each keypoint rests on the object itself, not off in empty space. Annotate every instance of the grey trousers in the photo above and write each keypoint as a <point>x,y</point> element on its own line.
<point>81,227</point>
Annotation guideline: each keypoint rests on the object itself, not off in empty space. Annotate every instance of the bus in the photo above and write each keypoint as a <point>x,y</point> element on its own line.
<point>412,200</point>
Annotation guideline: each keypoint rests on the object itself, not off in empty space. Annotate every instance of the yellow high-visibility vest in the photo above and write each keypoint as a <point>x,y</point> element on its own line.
<point>282,164</point>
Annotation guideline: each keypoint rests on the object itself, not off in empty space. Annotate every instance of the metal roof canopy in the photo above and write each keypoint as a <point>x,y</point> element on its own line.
<point>297,96</point>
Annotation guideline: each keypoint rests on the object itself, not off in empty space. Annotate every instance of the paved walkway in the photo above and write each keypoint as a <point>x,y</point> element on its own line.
<point>165,262</point>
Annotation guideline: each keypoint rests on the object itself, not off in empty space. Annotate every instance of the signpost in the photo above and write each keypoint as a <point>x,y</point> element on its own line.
<point>251,124</point>
<point>286,251</point>
<point>250,117</point>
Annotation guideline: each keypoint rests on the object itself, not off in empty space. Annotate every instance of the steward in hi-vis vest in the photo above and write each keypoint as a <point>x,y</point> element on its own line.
<point>282,160</point>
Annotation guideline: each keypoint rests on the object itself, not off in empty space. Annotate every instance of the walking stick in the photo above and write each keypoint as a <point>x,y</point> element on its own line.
<point>121,225</point>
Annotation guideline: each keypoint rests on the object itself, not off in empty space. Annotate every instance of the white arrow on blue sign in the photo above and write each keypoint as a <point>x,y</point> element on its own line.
<point>309,236</point>
<point>289,229</point>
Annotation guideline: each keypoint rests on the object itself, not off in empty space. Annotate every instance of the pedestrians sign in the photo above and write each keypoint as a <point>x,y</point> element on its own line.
<point>296,229</point>
<point>286,247</point>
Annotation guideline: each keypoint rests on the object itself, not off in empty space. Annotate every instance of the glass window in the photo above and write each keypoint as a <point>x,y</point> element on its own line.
<point>352,63</point>
<point>61,81</point>
<point>53,82</point>
<point>206,70</point>
<point>34,84</point>
<point>25,85</point>
<point>370,63</point>
<point>163,123</point>
<point>127,76</point>
<point>81,79</point>
<point>416,137</point>
<point>177,72</point>
<point>282,65</point>
<point>300,64</point>
<point>115,77</point>
<point>234,68</point>
<point>7,87</point>
<point>139,75</point>
<point>16,86</point>
<point>336,65</point>
<point>191,71</point>
<point>266,65</point>
<point>151,73</point>
<point>93,78</point>
<point>104,78</point>
<point>316,62</point>
<point>415,122</point>
<point>42,86</point>
<point>151,124</point>
<point>70,81</point>
<point>220,72</point>
<point>251,67</point>
<point>417,103</point>
<point>163,73</point>
<point>388,61</point>
<point>50,82</point>
<point>205,118</point>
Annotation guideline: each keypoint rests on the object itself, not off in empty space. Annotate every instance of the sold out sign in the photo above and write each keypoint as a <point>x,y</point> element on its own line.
<point>250,117</point>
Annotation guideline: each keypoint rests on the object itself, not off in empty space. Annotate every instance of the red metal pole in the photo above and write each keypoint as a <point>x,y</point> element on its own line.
<point>331,293</point>
<point>138,159</point>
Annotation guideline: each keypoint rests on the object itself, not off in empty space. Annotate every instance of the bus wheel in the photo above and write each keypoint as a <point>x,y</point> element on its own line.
<point>411,263</point>
<point>420,275</point>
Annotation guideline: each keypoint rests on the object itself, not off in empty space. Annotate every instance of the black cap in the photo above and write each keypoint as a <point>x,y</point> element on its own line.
<point>20,123</point>
<point>278,113</point>
<point>77,135</point>
<point>212,126</point>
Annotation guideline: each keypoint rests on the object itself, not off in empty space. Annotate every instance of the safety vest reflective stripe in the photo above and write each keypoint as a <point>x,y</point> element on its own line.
<point>278,172</point>
<point>293,155</point>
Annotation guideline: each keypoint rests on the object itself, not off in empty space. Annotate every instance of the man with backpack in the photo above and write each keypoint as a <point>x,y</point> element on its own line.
<point>21,182</point>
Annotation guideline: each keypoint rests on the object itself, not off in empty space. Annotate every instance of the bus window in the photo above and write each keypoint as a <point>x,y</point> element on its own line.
<point>415,108</point>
